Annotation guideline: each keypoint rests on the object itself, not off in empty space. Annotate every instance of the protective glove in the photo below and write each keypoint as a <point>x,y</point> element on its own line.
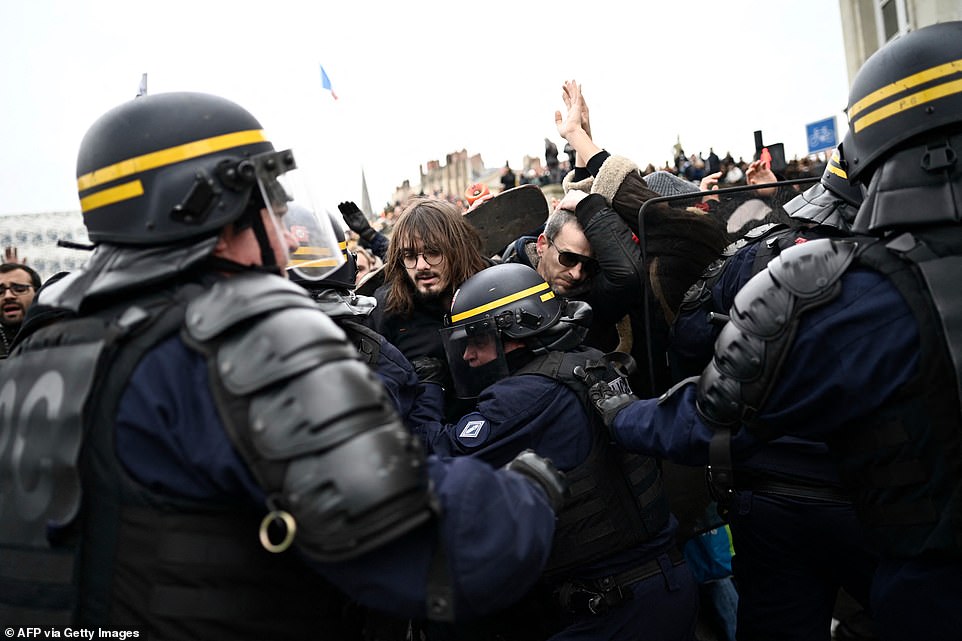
<point>356,220</point>
<point>609,406</point>
<point>606,401</point>
<point>541,471</point>
<point>431,370</point>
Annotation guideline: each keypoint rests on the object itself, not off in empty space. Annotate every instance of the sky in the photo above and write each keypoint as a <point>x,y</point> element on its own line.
<point>417,80</point>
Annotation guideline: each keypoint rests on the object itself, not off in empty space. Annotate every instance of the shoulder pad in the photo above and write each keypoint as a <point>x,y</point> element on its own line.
<point>757,233</point>
<point>267,330</point>
<point>238,298</point>
<point>811,267</point>
<point>281,345</point>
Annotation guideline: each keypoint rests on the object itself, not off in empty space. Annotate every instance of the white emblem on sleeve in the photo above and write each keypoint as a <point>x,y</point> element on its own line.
<point>471,429</point>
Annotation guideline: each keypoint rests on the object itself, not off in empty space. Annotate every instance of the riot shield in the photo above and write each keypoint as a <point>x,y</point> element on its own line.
<point>513,213</point>
<point>739,209</point>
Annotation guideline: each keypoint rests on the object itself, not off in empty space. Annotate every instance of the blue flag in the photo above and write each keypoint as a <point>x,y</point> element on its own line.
<point>326,83</point>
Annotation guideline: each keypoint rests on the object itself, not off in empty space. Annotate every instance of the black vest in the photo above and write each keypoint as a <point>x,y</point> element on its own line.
<point>906,458</point>
<point>616,498</point>
<point>127,557</point>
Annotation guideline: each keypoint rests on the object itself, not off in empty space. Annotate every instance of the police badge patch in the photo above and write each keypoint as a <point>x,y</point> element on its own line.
<point>473,433</point>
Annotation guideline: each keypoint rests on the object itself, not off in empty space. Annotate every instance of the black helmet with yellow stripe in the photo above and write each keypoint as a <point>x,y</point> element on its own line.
<point>910,86</point>
<point>835,177</point>
<point>511,297</point>
<point>170,167</point>
<point>498,310</point>
<point>834,201</point>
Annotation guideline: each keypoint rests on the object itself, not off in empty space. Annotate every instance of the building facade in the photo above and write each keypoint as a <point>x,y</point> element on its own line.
<point>868,24</point>
<point>36,235</point>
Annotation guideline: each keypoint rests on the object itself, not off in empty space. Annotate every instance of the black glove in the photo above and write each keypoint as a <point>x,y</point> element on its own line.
<point>431,370</point>
<point>609,406</point>
<point>356,220</point>
<point>543,472</point>
<point>606,401</point>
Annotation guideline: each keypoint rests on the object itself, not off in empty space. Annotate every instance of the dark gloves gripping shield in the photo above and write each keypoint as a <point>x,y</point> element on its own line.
<point>356,220</point>
<point>607,399</point>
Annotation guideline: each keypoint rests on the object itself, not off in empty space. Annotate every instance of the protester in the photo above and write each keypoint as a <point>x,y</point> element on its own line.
<point>650,274</point>
<point>366,263</point>
<point>368,237</point>
<point>433,250</point>
<point>18,286</point>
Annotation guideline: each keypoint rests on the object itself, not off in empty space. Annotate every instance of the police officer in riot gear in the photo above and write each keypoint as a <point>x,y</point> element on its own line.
<point>615,572</point>
<point>858,342</point>
<point>195,444</point>
<point>792,520</point>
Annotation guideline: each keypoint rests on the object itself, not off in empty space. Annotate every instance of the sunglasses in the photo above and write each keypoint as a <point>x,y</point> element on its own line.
<point>570,259</point>
<point>16,288</point>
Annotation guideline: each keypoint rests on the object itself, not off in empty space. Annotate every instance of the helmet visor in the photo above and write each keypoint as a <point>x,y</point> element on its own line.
<point>475,356</point>
<point>318,253</point>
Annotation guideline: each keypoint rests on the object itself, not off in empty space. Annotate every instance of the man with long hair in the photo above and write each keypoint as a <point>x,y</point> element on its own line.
<point>433,250</point>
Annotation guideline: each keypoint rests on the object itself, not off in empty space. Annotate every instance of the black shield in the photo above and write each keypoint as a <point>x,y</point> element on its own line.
<point>512,213</point>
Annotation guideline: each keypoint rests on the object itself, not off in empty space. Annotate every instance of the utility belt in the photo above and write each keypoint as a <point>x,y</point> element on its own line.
<point>598,596</point>
<point>765,484</point>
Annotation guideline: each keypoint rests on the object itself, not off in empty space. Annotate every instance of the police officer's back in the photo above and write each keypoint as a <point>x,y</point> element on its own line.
<point>193,415</point>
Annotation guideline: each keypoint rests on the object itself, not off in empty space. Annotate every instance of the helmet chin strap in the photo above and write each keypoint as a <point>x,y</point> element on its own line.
<point>252,218</point>
<point>268,259</point>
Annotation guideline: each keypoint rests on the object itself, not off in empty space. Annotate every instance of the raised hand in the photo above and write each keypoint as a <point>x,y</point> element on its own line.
<point>759,173</point>
<point>356,220</point>
<point>10,256</point>
<point>574,121</point>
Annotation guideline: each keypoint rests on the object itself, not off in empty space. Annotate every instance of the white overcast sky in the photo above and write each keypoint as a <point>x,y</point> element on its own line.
<point>418,79</point>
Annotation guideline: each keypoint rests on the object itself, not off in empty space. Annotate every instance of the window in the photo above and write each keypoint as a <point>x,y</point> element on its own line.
<point>891,19</point>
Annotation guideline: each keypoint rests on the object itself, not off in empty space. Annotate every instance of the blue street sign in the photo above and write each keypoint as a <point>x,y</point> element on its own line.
<point>822,135</point>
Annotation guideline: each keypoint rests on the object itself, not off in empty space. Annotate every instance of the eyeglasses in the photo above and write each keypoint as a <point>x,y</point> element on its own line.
<point>570,259</point>
<point>431,256</point>
<point>16,288</point>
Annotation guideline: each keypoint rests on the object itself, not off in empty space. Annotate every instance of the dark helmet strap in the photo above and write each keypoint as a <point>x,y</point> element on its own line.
<point>267,251</point>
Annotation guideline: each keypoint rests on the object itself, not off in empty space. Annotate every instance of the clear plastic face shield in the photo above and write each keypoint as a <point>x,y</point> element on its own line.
<point>475,356</point>
<point>314,251</point>
<point>318,253</point>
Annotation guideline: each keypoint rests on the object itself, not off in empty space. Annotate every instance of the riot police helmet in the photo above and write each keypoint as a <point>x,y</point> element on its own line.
<point>910,86</point>
<point>834,201</point>
<point>321,260</point>
<point>174,167</point>
<point>502,308</point>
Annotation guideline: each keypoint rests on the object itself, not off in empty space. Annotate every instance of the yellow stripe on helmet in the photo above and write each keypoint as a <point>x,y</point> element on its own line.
<point>169,156</point>
<point>112,195</point>
<point>315,251</point>
<point>504,300</point>
<point>908,102</point>
<point>312,262</point>
<point>903,84</point>
<point>838,171</point>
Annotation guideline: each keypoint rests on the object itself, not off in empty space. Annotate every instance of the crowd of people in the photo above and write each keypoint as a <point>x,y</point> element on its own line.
<point>677,408</point>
